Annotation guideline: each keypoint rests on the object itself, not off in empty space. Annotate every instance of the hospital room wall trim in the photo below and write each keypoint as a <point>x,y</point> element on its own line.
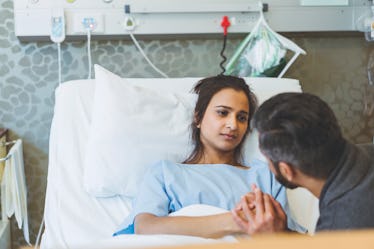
<point>334,68</point>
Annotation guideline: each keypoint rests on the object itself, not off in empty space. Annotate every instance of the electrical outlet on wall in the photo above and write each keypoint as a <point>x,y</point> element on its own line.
<point>92,21</point>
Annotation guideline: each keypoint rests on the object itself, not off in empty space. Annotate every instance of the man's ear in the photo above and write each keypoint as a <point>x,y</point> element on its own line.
<point>287,171</point>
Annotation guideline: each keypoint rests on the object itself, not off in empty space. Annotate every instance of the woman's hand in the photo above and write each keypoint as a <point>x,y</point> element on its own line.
<point>258,212</point>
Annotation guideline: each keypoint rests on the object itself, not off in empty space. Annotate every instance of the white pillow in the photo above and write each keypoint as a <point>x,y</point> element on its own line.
<point>133,127</point>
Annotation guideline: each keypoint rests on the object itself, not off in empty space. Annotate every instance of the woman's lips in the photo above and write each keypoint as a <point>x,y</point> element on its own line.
<point>229,136</point>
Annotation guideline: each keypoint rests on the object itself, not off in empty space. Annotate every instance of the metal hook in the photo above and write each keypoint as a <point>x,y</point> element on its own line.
<point>8,143</point>
<point>5,158</point>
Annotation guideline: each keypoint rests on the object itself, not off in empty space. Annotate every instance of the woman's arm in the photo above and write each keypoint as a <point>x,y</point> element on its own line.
<point>210,226</point>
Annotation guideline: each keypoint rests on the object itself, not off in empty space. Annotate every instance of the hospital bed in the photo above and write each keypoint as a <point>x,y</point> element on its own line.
<point>95,124</point>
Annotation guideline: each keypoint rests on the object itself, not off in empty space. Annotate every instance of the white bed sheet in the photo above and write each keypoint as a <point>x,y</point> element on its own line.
<point>73,218</point>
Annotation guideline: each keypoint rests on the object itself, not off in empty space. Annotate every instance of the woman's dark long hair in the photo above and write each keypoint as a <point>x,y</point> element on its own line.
<point>206,89</point>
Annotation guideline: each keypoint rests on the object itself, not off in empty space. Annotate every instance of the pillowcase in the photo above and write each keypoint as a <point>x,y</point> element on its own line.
<point>134,126</point>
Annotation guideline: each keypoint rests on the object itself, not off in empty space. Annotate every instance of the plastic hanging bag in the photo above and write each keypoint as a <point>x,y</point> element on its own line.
<point>262,53</point>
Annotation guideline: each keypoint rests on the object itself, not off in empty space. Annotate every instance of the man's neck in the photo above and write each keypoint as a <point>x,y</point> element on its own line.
<point>314,185</point>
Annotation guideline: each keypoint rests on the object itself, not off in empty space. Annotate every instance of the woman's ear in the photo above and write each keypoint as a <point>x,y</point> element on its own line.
<point>287,171</point>
<point>195,120</point>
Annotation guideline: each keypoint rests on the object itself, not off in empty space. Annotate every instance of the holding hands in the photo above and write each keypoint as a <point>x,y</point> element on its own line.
<point>258,212</point>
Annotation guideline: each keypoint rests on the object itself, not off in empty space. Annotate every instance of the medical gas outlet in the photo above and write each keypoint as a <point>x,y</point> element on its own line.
<point>166,17</point>
<point>93,22</point>
<point>129,23</point>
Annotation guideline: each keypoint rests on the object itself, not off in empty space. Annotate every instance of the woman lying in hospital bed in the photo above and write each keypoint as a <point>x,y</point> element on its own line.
<point>213,174</point>
<point>97,165</point>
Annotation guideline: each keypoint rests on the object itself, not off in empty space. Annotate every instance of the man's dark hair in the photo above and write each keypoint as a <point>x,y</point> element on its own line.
<point>300,129</point>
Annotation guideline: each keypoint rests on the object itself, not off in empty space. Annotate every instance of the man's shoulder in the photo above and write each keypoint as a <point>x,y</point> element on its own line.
<point>366,148</point>
<point>349,200</point>
<point>351,211</point>
<point>359,158</point>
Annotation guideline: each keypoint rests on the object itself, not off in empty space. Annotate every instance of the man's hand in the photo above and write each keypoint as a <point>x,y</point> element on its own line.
<point>258,212</point>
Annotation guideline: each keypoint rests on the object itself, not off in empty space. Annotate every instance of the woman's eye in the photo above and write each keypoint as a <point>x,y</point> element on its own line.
<point>222,112</point>
<point>242,118</point>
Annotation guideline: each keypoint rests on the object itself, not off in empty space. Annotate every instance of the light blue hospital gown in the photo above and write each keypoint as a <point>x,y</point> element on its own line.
<point>168,187</point>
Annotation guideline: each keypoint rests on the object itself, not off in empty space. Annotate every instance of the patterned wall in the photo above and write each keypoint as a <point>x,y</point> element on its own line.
<point>334,68</point>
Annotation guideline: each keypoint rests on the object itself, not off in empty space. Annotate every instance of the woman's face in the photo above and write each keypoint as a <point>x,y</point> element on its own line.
<point>225,121</point>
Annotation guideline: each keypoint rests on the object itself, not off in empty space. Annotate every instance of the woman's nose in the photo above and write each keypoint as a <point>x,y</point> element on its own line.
<point>231,123</point>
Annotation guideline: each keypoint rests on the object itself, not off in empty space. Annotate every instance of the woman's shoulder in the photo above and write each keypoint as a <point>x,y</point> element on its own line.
<point>260,167</point>
<point>164,165</point>
<point>258,164</point>
<point>161,169</point>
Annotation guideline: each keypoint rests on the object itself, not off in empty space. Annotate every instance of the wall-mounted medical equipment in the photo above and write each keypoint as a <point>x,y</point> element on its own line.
<point>179,17</point>
<point>57,33</point>
<point>365,23</point>
<point>262,53</point>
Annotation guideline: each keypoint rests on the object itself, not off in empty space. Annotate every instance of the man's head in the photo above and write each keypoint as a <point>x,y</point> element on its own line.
<point>300,130</point>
